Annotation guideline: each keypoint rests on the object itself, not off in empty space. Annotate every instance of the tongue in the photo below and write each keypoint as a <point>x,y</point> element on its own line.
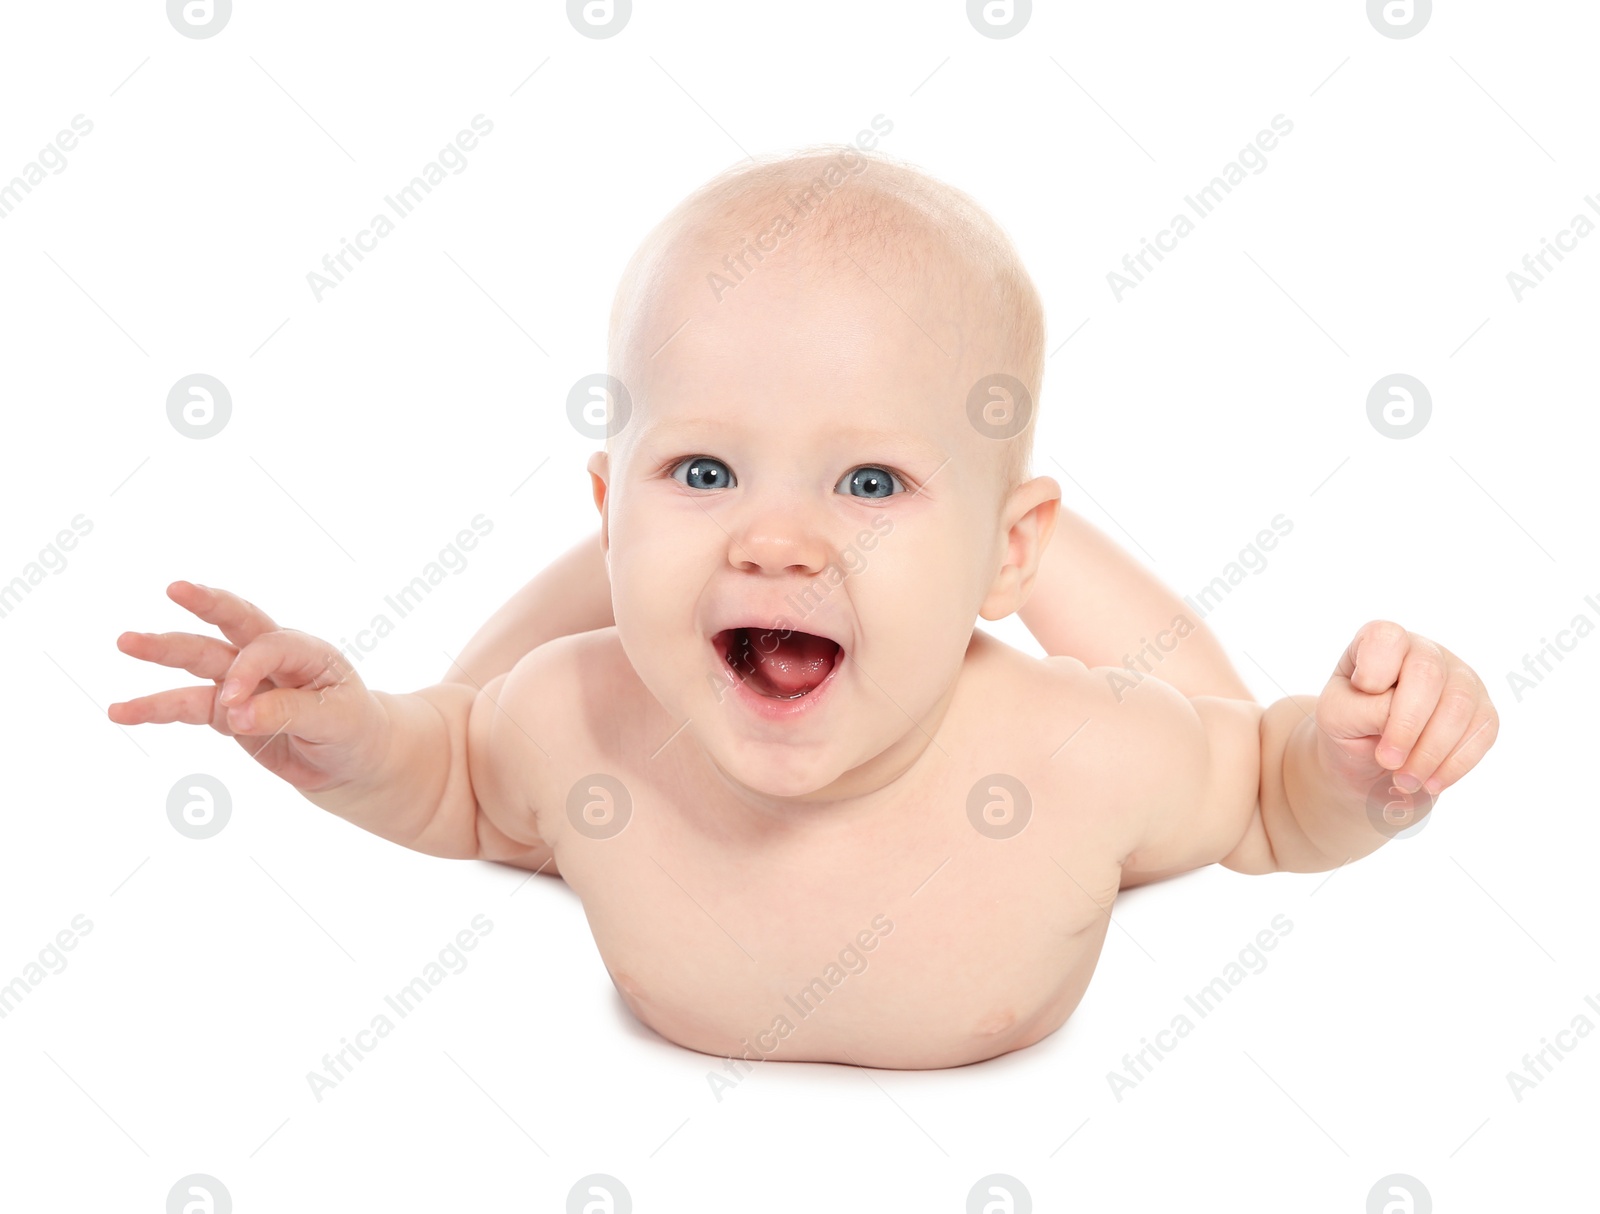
<point>792,664</point>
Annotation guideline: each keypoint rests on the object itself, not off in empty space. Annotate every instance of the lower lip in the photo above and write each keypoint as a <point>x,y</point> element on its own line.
<point>772,709</point>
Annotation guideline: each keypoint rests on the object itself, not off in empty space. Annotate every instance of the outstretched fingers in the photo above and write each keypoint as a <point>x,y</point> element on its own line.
<point>190,705</point>
<point>237,619</point>
<point>204,657</point>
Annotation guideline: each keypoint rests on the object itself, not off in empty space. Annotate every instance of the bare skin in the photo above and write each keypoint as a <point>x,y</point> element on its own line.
<point>1091,601</point>
<point>910,864</point>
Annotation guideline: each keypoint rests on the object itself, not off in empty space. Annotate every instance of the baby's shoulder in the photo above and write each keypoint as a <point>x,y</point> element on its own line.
<point>563,710</point>
<point>573,678</point>
<point>1086,718</point>
<point>1039,686</point>
<point>1059,729</point>
<point>565,655</point>
<point>1126,710</point>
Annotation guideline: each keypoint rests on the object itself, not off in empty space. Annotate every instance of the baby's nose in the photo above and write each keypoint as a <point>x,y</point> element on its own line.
<point>778,540</point>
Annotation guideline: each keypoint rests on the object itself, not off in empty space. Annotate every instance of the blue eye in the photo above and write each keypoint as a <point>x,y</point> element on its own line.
<point>703,472</point>
<point>870,482</point>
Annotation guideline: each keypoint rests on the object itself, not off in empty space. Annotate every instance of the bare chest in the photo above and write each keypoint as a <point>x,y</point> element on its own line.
<point>931,935</point>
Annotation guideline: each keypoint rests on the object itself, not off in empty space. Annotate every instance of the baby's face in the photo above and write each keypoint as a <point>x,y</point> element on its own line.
<point>802,522</point>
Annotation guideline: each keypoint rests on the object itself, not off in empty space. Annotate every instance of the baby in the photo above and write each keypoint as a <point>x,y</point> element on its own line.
<point>812,812</point>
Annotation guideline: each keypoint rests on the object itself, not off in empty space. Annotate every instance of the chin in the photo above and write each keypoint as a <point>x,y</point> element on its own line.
<point>773,770</point>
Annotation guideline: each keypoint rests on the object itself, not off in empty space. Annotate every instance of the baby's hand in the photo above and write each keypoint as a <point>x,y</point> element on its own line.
<point>1402,703</point>
<point>292,701</point>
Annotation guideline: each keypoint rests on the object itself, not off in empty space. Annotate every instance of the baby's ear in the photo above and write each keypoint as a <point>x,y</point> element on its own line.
<point>1029,519</point>
<point>599,469</point>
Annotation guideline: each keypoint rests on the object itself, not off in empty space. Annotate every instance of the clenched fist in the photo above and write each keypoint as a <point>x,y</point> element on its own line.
<point>1398,702</point>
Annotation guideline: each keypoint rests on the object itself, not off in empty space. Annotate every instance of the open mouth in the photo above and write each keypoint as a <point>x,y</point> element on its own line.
<point>780,664</point>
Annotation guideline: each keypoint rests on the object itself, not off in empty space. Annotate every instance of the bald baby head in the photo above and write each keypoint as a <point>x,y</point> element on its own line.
<point>835,215</point>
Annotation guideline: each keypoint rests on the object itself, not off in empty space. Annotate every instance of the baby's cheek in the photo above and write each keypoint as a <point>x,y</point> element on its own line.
<point>643,582</point>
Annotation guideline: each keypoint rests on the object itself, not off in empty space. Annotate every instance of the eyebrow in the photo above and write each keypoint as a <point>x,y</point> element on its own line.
<point>893,442</point>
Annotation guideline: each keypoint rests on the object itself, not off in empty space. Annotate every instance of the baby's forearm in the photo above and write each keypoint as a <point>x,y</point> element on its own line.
<point>420,794</point>
<point>572,594</point>
<point>1314,822</point>
<point>1094,602</point>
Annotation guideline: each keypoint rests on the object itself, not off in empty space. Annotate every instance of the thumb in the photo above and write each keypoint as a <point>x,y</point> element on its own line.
<point>286,658</point>
<point>1344,711</point>
<point>310,714</point>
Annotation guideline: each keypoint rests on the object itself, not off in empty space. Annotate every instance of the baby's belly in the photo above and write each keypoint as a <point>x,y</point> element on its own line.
<point>947,977</point>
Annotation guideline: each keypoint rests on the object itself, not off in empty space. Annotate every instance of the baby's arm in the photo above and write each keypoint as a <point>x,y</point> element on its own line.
<point>443,771</point>
<point>1094,602</point>
<point>458,765</point>
<point>1291,788</point>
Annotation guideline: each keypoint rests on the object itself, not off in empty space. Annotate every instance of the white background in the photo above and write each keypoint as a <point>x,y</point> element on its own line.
<point>369,428</point>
